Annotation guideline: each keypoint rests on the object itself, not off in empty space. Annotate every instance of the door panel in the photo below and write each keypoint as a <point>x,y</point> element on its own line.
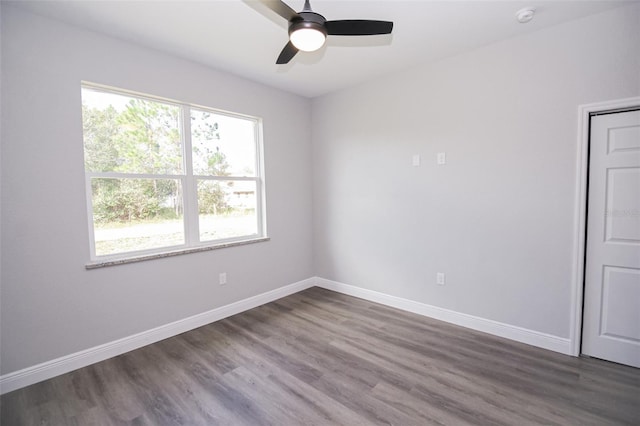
<point>611,323</point>
<point>620,313</point>
<point>624,139</point>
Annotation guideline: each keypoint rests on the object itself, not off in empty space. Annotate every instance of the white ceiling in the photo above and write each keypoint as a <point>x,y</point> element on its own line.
<point>245,38</point>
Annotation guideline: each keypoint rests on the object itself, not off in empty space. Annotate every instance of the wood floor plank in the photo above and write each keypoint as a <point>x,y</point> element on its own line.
<point>323,358</point>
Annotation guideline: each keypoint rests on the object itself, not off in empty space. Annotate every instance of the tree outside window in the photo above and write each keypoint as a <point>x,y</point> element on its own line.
<point>145,194</point>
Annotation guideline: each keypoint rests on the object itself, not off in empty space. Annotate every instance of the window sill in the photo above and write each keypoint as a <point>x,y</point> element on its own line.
<point>102,264</point>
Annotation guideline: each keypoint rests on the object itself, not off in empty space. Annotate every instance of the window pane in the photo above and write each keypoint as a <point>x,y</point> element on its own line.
<point>222,145</point>
<point>130,135</point>
<point>227,209</point>
<point>136,214</point>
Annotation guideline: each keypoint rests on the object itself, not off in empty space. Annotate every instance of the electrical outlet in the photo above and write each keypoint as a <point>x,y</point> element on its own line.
<point>415,160</point>
<point>222,278</point>
<point>440,278</point>
<point>441,158</point>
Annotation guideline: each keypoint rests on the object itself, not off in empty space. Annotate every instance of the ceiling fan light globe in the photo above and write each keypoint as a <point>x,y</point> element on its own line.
<point>307,39</point>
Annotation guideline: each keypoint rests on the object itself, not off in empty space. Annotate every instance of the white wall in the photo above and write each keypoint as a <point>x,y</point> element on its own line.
<point>498,219</point>
<point>50,305</point>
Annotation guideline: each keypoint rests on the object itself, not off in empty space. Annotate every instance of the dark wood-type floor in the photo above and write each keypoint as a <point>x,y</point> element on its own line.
<point>319,357</point>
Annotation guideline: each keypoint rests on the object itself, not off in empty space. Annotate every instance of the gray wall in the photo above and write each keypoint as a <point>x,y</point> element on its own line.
<point>50,305</point>
<point>498,219</point>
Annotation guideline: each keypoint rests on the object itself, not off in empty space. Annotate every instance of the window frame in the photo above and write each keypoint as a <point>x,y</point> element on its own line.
<point>189,181</point>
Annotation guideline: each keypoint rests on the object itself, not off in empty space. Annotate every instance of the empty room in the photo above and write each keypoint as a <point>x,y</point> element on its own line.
<point>336,212</point>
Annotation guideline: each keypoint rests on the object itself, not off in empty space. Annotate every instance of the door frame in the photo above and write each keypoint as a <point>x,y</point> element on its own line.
<point>580,214</point>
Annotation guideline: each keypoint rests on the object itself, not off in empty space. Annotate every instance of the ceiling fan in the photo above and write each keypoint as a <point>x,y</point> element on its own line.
<point>308,30</point>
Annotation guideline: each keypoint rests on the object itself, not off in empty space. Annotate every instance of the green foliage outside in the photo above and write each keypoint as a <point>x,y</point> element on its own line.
<point>144,138</point>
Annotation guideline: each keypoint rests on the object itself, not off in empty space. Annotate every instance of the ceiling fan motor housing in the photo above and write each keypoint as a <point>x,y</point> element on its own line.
<point>309,30</point>
<point>310,20</point>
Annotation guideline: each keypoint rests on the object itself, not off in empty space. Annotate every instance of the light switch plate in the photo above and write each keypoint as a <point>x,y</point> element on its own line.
<point>415,160</point>
<point>442,158</point>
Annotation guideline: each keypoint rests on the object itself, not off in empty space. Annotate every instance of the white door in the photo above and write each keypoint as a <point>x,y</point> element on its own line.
<point>611,323</point>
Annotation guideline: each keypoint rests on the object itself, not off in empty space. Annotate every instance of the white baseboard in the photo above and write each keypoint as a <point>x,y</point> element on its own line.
<point>65,364</point>
<point>519,334</point>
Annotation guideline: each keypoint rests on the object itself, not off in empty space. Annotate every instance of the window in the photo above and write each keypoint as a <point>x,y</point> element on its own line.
<point>164,176</point>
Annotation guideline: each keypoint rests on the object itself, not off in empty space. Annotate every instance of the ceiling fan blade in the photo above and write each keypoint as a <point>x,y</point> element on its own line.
<point>358,27</point>
<point>280,7</point>
<point>287,54</point>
